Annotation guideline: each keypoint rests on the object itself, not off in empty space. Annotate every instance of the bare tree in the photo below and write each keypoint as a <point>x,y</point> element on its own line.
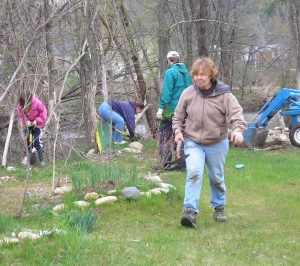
<point>226,13</point>
<point>199,11</point>
<point>294,15</point>
<point>48,9</point>
<point>128,31</point>
<point>188,35</point>
<point>163,33</point>
<point>90,63</point>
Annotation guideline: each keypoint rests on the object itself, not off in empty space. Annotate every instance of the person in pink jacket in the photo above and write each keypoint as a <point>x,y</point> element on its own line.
<point>33,115</point>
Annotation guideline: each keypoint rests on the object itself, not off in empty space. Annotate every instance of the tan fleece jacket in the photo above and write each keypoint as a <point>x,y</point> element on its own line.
<point>205,120</point>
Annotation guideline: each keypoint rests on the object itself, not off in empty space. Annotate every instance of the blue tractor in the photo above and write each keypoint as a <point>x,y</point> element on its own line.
<point>257,132</point>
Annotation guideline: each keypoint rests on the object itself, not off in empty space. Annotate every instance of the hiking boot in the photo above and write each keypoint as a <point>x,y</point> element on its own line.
<point>219,214</point>
<point>188,218</point>
<point>32,158</point>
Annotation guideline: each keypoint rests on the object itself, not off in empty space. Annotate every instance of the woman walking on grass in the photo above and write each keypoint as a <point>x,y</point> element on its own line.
<point>201,120</point>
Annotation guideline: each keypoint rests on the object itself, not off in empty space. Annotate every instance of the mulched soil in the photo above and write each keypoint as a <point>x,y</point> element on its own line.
<point>104,186</point>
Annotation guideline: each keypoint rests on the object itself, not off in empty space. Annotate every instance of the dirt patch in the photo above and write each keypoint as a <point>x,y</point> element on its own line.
<point>104,186</point>
<point>11,196</point>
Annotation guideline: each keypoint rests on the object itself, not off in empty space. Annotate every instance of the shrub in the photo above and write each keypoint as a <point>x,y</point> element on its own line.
<point>96,174</point>
<point>5,224</point>
<point>80,220</point>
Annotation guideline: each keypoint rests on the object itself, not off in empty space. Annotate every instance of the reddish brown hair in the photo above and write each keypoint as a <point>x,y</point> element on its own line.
<point>25,100</point>
<point>139,104</point>
<point>205,65</point>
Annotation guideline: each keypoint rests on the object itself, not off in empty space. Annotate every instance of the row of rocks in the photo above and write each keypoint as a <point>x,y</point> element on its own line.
<point>5,179</point>
<point>63,189</point>
<point>134,193</point>
<point>84,203</point>
<point>133,147</point>
<point>28,234</point>
<point>127,193</point>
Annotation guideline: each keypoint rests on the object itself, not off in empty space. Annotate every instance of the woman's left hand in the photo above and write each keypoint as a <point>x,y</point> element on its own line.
<point>237,138</point>
<point>178,137</point>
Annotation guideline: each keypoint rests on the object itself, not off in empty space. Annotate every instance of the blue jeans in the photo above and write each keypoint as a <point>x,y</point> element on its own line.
<point>118,121</point>
<point>213,156</point>
<point>36,132</point>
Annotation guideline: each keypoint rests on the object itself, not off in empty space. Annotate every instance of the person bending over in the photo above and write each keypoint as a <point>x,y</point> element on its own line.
<point>33,115</point>
<point>120,113</point>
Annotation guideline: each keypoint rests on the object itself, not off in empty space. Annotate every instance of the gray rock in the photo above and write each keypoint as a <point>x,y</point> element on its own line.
<point>62,190</point>
<point>154,191</point>
<point>166,185</point>
<point>81,203</point>
<point>153,178</point>
<point>130,193</point>
<point>136,145</point>
<point>105,200</point>
<point>111,192</point>
<point>91,196</point>
<point>130,150</point>
<point>91,153</point>
<point>27,234</point>
<point>9,240</point>
<point>58,207</point>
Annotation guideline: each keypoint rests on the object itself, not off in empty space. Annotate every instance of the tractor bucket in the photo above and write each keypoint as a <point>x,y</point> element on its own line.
<point>255,137</point>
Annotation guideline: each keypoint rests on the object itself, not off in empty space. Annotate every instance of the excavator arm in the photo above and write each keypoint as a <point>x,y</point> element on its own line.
<point>257,132</point>
<point>283,97</point>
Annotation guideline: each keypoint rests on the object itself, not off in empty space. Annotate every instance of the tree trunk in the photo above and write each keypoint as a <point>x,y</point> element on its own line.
<point>199,11</point>
<point>202,29</point>
<point>294,20</point>
<point>188,35</point>
<point>103,66</point>
<point>297,37</point>
<point>163,34</point>
<point>50,67</point>
<point>133,50</point>
<point>91,69</point>
<point>226,13</point>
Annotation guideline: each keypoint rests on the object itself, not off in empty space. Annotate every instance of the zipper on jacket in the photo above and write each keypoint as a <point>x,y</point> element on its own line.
<point>202,122</point>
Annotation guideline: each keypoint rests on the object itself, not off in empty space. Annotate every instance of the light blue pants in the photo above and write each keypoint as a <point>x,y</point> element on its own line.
<point>107,114</point>
<point>213,156</point>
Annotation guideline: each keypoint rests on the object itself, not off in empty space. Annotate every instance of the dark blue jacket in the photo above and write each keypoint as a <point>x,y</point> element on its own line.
<point>127,110</point>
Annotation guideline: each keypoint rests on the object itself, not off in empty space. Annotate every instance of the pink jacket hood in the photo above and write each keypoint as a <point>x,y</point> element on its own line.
<point>37,112</point>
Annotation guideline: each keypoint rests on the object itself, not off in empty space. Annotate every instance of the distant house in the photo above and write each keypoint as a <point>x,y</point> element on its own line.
<point>262,55</point>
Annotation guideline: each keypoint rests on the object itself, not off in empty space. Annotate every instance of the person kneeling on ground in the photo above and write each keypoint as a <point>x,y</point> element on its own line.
<point>120,113</point>
<point>201,121</point>
<point>33,115</point>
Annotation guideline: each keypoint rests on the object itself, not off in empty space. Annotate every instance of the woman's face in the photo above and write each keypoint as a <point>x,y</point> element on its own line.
<point>27,107</point>
<point>139,110</point>
<point>202,80</point>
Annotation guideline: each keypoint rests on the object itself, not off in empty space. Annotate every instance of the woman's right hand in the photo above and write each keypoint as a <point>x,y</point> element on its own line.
<point>178,137</point>
<point>28,123</point>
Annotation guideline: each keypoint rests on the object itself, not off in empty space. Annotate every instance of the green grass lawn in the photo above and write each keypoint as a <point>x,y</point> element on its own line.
<point>263,227</point>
